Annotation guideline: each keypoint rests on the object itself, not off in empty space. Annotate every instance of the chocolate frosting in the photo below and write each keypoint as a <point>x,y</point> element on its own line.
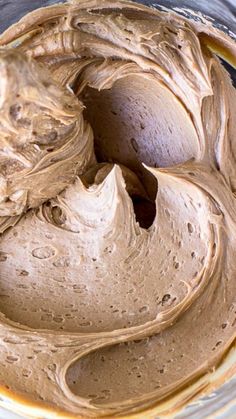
<point>117,206</point>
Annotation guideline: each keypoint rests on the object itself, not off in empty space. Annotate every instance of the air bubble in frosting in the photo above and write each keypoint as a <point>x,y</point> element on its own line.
<point>43,252</point>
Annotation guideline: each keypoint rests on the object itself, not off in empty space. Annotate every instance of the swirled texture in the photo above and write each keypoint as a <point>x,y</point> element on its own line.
<point>117,280</point>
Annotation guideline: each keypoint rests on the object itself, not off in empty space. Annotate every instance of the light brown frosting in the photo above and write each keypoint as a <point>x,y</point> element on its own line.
<point>117,280</point>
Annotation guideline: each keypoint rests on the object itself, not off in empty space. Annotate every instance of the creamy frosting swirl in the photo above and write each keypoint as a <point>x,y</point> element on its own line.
<point>117,205</point>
